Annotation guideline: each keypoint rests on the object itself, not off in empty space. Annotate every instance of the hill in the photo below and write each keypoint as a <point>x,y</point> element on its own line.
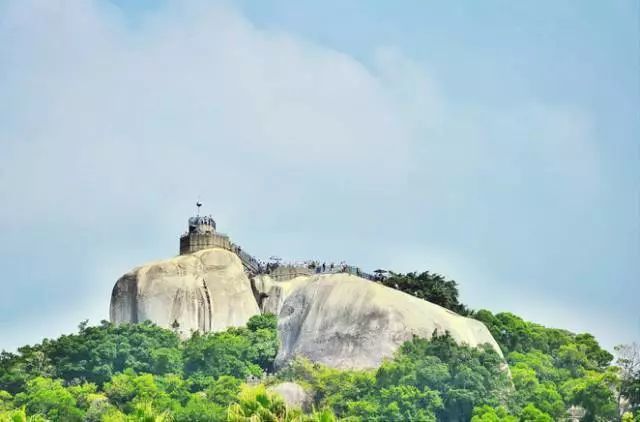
<point>140,372</point>
<point>331,317</point>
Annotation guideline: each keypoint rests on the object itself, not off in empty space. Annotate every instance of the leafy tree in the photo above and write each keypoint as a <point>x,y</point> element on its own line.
<point>264,321</point>
<point>238,352</point>
<point>95,354</point>
<point>572,358</point>
<point>102,410</point>
<point>6,400</point>
<point>532,414</point>
<point>433,379</point>
<point>428,286</point>
<point>224,390</point>
<point>406,402</point>
<point>487,413</point>
<point>259,404</point>
<point>166,360</point>
<point>597,357</point>
<point>145,411</point>
<point>142,372</point>
<point>85,395</point>
<point>20,415</point>
<point>49,398</point>
<point>541,363</point>
<point>17,369</point>
<point>429,371</point>
<point>217,354</point>
<point>199,409</point>
<point>476,374</point>
<point>128,390</point>
<point>595,393</point>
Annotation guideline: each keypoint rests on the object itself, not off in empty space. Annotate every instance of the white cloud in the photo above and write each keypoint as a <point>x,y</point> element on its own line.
<point>133,112</point>
<point>109,125</point>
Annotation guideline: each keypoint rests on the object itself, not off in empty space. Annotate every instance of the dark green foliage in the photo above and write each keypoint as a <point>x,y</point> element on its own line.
<point>553,369</point>
<point>238,352</point>
<point>213,355</point>
<point>595,393</point>
<point>95,354</point>
<point>224,390</point>
<point>142,372</point>
<point>433,379</point>
<point>49,398</point>
<point>266,321</point>
<point>513,334</point>
<point>199,409</point>
<point>107,371</point>
<point>464,377</point>
<point>428,286</point>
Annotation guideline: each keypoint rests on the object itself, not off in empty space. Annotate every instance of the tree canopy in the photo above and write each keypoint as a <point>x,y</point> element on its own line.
<point>140,372</point>
<point>432,287</point>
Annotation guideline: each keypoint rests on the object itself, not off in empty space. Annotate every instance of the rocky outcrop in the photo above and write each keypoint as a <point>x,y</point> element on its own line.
<point>293,395</point>
<point>205,291</point>
<point>348,322</point>
<point>271,294</point>
<point>340,320</point>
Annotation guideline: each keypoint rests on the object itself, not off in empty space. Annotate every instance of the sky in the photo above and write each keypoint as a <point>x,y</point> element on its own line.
<point>495,143</point>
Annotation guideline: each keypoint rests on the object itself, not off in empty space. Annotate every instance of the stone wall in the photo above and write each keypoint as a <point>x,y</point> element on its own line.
<point>193,242</point>
<point>289,272</point>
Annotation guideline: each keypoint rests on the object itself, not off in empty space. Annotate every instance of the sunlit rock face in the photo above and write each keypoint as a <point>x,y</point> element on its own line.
<point>271,294</point>
<point>204,291</point>
<point>347,322</point>
<point>340,320</point>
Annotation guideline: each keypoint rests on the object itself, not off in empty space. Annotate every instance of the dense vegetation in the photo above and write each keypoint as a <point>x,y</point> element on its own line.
<point>428,286</point>
<point>552,370</point>
<point>140,372</point>
<point>136,372</point>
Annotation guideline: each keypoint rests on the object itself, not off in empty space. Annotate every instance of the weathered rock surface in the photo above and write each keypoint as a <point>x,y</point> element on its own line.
<point>346,321</point>
<point>293,395</point>
<point>206,291</point>
<point>340,320</point>
<point>271,294</point>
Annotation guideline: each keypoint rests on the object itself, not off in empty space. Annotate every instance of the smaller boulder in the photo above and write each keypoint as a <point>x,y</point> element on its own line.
<point>293,395</point>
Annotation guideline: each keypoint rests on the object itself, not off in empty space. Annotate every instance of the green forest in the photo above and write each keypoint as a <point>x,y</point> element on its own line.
<point>140,372</point>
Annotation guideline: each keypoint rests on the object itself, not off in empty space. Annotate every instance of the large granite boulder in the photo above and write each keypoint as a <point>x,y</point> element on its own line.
<point>347,322</point>
<point>204,291</point>
<point>340,320</point>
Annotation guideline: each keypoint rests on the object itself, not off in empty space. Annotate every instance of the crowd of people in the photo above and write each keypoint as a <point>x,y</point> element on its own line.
<point>257,267</point>
<point>317,267</point>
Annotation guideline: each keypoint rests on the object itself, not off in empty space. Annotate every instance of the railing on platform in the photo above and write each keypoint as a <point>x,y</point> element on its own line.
<point>256,267</point>
<point>250,263</point>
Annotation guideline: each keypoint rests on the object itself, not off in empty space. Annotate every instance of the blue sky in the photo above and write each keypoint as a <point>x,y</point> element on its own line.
<point>494,142</point>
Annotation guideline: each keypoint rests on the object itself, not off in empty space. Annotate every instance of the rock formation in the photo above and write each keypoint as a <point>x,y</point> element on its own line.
<point>345,321</point>
<point>339,319</point>
<point>205,291</point>
<point>271,294</point>
<point>293,395</point>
